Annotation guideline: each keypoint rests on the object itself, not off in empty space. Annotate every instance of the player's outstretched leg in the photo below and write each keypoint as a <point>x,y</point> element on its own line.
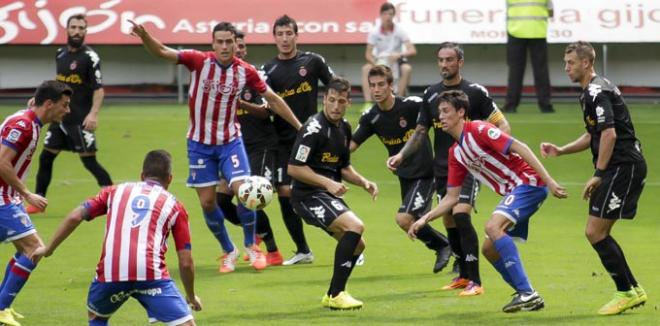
<point>503,254</point>
<point>92,165</point>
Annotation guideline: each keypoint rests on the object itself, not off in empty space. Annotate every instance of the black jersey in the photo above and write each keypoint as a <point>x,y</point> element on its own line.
<point>603,108</point>
<point>81,70</point>
<point>482,107</point>
<point>257,133</point>
<point>296,80</point>
<point>394,128</point>
<point>324,147</point>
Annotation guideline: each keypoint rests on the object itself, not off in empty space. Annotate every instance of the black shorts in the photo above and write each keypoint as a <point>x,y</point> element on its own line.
<point>262,162</point>
<point>619,192</point>
<point>469,189</point>
<point>416,196</point>
<point>319,209</point>
<point>282,178</point>
<point>72,138</point>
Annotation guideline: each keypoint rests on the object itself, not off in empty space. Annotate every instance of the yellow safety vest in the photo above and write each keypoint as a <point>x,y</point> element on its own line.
<point>527,18</point>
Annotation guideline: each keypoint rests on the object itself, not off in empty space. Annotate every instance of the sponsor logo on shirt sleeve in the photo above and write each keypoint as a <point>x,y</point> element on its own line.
<point>303,153</point>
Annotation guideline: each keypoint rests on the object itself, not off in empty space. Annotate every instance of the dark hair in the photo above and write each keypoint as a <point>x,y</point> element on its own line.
<point>239,35</point>
<point>224,27</point>
<point>387,6</point>
<point>285,20</point>
<point>157,164</point>
<point>339,84</point>
<point>583,49</point>
<point>456,98</point>
<point>77,17</point>
<point>381,70</point>
<point>51,90</point>
<point>454,46</point>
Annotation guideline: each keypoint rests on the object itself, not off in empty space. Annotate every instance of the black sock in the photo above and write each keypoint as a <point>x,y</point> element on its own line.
<point>93,166</point>
<point>45,172</point>
<point>433,239</point>
<point>265,232</point>
<point>344,261</point>
<point>353,261</point>
<point>629,274</point>
<point>228,208</point>
<point>455,243</point>
<point>469,245</point>
<point>294,225</point>
<point>613,261</point>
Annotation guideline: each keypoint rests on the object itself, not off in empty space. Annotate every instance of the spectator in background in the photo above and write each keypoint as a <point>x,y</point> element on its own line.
<point>389,45</point>
<point>527,27</point>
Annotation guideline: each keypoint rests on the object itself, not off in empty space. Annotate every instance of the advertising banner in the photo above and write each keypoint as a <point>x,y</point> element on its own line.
<point>320,22</point>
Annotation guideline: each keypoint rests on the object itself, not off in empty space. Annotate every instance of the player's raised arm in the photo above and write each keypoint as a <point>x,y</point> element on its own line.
<point>528,156</point>
<point>154,46</point>
<point>277,104</point>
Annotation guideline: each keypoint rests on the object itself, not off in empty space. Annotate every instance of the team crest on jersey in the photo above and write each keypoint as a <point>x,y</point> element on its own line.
<point>247,96</point>
<point>302,72</point>
<point>494,133</point>
<point>73,65</point>
<point>402,122</point>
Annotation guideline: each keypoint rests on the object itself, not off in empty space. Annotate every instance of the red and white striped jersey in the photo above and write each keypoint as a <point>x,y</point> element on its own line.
<point>214,93</point>
<point>139,219</point>
<point>20,132</point>
<point>483,150</point>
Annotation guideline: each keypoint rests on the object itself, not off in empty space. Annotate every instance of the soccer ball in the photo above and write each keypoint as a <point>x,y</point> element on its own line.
<point>255,193</point>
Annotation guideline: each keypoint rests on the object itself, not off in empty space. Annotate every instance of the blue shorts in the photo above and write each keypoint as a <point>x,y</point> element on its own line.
<point>208,162</point>
<point>14,223</point>
<point>519,205</point>
<point>161,299</point>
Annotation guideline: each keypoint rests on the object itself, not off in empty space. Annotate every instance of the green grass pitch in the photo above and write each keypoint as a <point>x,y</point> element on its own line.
<point>396,283</point>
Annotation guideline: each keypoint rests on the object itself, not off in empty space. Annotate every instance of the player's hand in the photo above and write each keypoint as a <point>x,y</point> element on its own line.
<point>371,188</point>
<point>36,200</point>
<point>138,29</point>
<point>337,189</point>
<point>195,303</point>
<point>91,122</point>
<point>549,150</point>
<point>39,253</point>
<point>412,231</point>
<point>557,190</point>
<point>591,185</point>
<point>394,161</point>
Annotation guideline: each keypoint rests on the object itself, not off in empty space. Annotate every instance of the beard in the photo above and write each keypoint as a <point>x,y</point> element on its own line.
<point>448,75</point>
<point>75,43</point>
